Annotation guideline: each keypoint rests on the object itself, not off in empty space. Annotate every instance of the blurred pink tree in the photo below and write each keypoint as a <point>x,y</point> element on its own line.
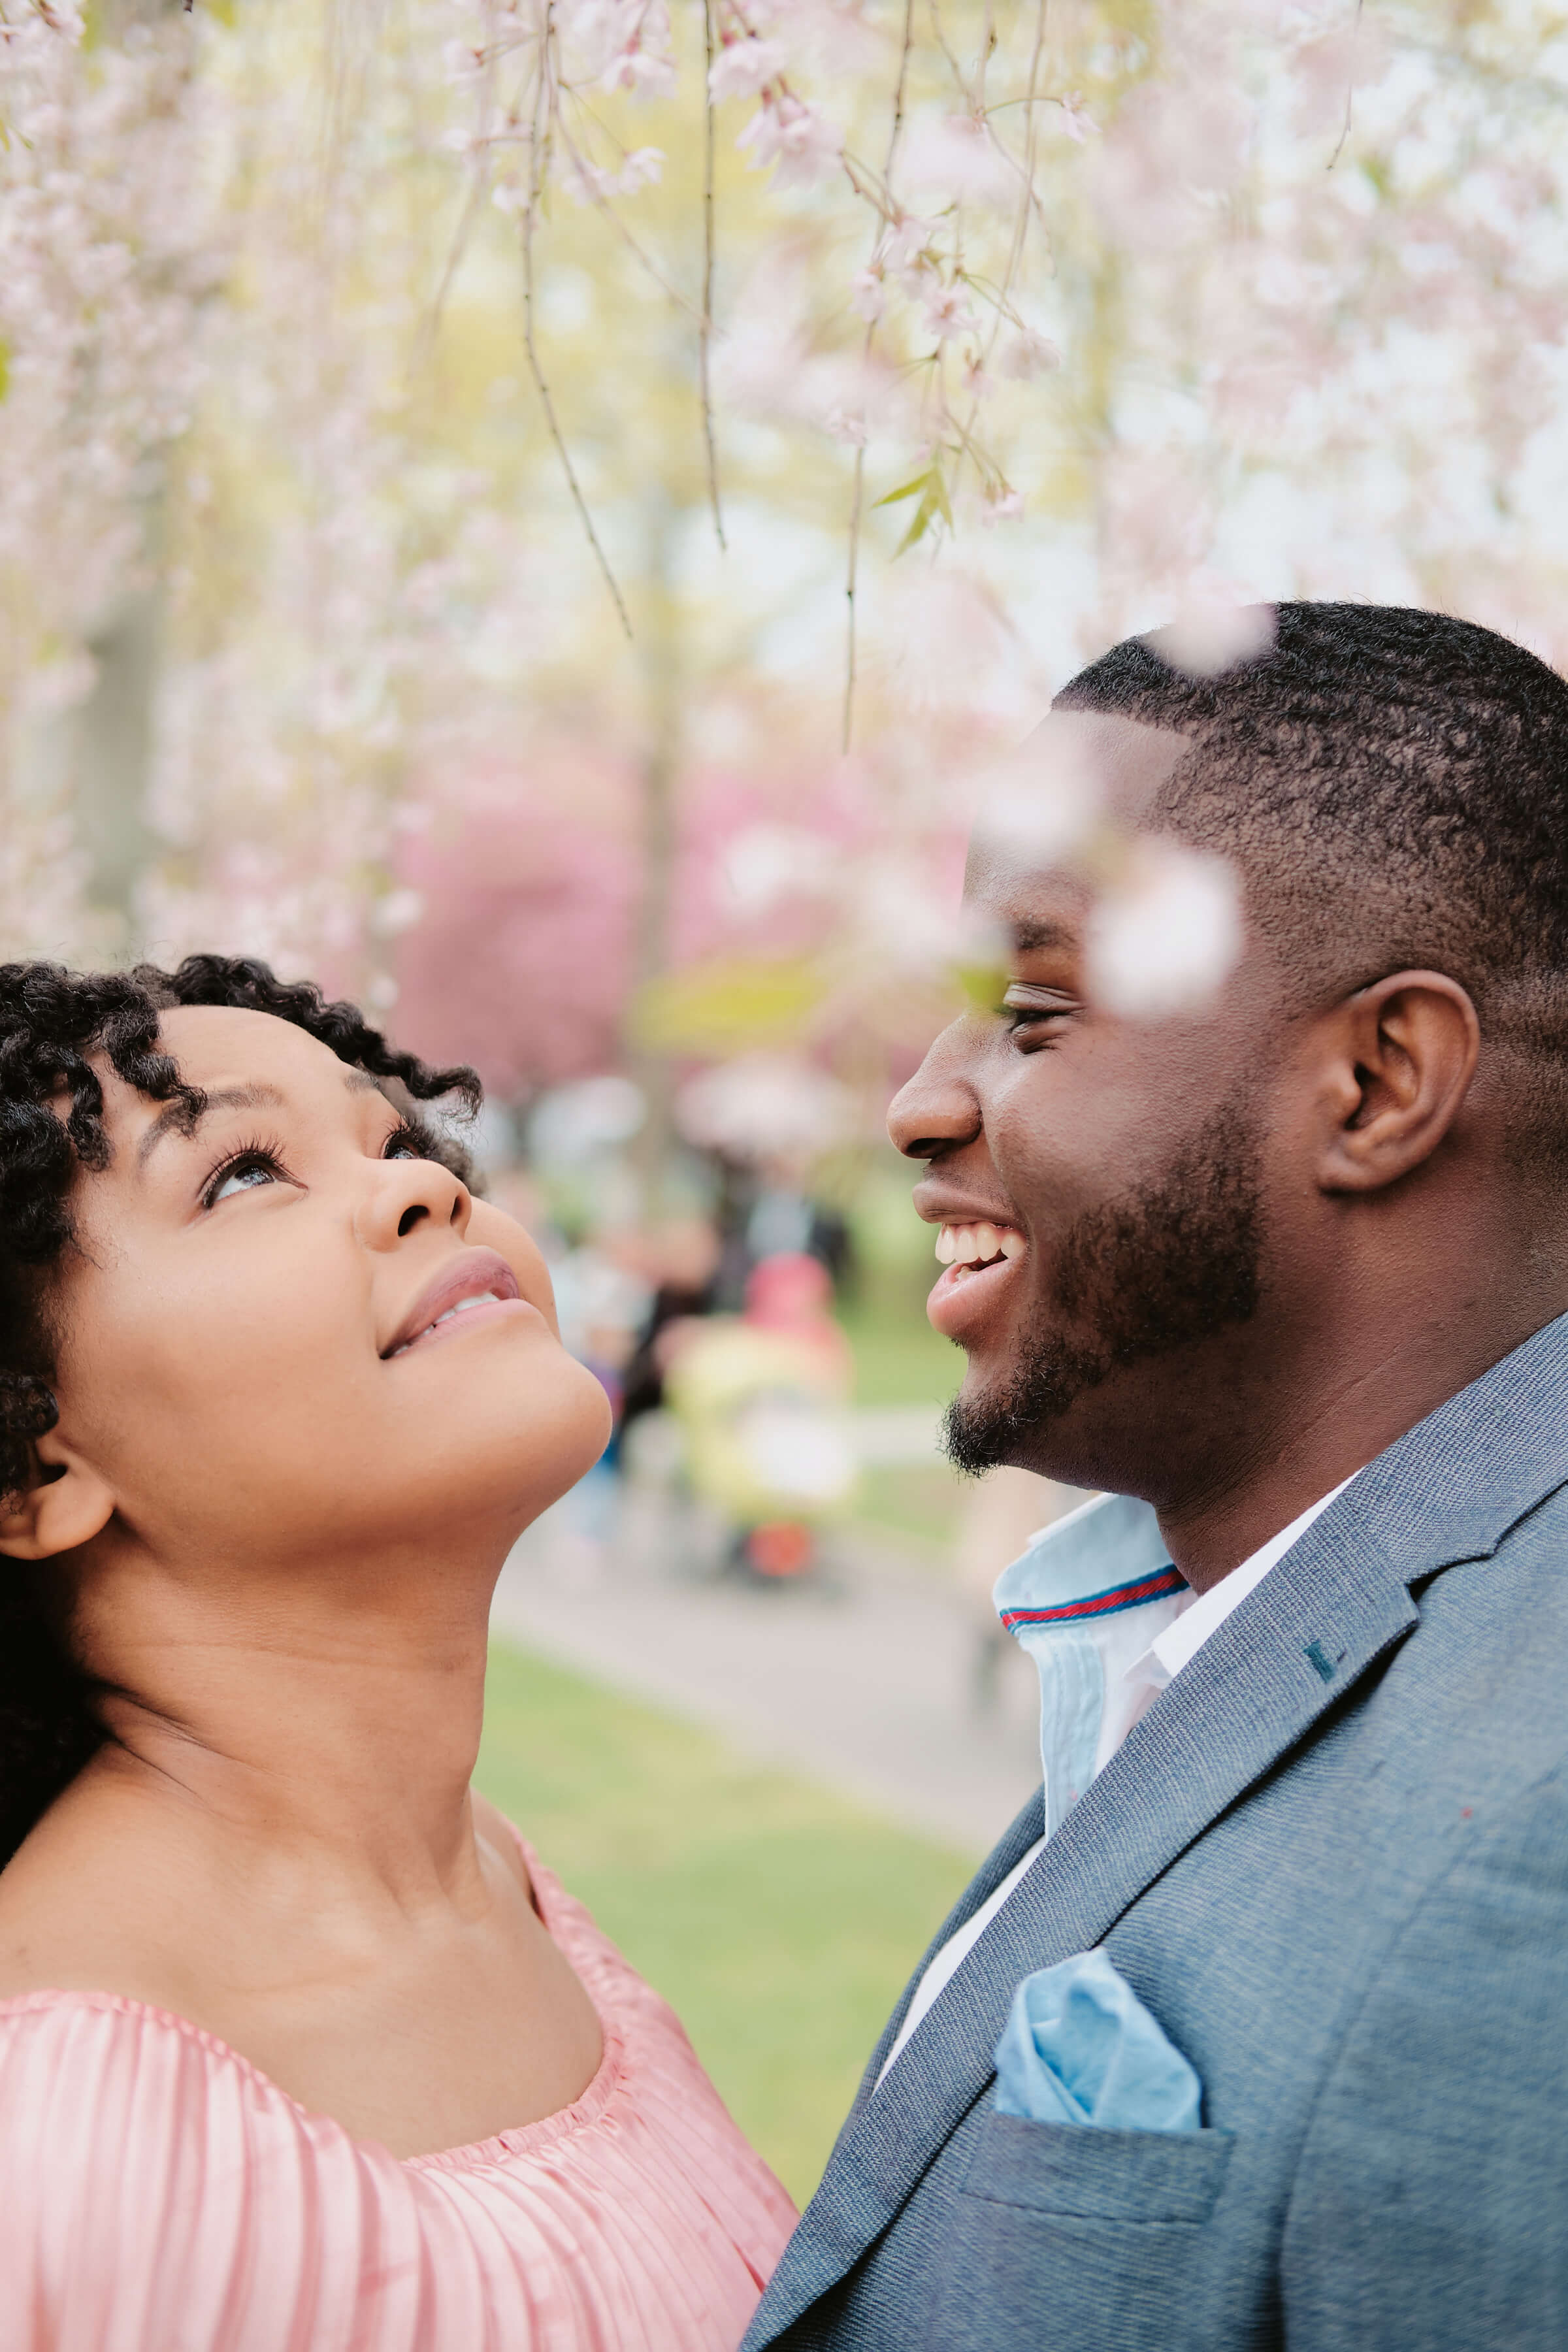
<point>518,952</point>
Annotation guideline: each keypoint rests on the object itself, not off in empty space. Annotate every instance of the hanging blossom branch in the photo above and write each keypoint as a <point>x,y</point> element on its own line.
<point>546,88</point>
<point>533,73</point>
<point>953,324</point>
<point>857,493</point>
<point>705,339</point>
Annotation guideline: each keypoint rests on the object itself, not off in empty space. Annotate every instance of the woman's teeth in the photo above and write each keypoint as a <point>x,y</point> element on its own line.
<point>972,1246</point>
<point>480,1298</point>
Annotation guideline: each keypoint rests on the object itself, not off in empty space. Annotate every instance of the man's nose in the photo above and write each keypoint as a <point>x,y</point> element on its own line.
<point>938,1111</point>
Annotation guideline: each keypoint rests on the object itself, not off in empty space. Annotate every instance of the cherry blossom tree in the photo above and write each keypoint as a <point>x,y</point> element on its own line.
<point>107,259</point>
<point>793,390</point>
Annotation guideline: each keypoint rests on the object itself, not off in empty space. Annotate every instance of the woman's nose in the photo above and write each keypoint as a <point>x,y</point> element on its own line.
<point>405,1193</point>
<point>938,1111</point>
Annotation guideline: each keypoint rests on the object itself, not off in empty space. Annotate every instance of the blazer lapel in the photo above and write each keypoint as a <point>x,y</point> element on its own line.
<point>1026,1829</point>
<point>1338,1602</point>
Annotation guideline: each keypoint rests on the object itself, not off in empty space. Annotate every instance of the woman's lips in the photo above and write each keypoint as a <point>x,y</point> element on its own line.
<point>488,1310</point>
<point>477,1286</point>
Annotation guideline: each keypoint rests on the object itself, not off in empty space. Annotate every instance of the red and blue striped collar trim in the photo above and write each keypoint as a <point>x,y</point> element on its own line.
<point>1099,1605</point>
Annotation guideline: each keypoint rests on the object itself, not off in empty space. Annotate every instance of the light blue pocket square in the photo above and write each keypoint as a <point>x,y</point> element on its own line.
<point>1079,2047</point>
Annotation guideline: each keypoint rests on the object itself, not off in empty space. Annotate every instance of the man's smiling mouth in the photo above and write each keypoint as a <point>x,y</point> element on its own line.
<point>966,1249</point>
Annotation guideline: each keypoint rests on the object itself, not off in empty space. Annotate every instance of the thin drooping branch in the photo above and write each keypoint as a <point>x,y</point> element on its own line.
<point>705,333</point>
<point>602,205</point>
<point>1028,208</point>
<point>430,326</point>
<point>1027,201</point>
<point>858,494</point>
<point>1350,91</point>
<point>478,189</point>
<point>538,152</point>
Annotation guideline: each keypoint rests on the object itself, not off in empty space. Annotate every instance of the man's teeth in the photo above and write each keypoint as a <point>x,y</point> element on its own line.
<point>978,1244</point>
<point>480,1298</point>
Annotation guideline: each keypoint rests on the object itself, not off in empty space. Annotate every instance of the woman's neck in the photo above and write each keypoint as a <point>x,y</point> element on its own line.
<point>324,1724</point>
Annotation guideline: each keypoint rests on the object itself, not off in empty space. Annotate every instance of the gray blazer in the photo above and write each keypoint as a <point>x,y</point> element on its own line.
<point>1332,1860</point>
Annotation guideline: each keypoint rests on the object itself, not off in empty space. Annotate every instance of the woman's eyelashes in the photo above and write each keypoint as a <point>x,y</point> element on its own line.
<point>243,1170</point>
<point>412,1140</point>
<point>257,1163</point>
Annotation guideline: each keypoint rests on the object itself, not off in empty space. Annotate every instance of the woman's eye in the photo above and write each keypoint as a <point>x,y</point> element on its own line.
<point>400,1145</point>
<point>243,1176</point>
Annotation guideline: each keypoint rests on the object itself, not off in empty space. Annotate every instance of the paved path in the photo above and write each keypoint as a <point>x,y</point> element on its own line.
<point>865,1681</point>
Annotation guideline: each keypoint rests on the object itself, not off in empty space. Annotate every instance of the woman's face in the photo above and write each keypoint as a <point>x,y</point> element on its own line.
<point>286,1334</point>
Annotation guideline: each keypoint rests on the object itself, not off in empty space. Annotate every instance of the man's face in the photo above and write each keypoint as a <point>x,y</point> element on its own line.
<point>1121,1163</point>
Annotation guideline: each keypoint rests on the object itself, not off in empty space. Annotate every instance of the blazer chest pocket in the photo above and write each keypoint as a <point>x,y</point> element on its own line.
<point>1064,2233</point>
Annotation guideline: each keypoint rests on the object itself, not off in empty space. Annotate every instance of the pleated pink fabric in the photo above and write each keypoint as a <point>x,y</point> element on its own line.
<point>158,2194</point>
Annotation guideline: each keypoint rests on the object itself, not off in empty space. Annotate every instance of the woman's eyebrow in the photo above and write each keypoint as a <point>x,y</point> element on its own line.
<point>179,1118</point>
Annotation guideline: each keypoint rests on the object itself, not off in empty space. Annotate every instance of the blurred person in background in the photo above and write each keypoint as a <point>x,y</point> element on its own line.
<point>301,2043</point>
<point>1253,2031</point>
<point>602,1301</point>
<point>763,1401</point>
<point>768,1208</point>
<point>680,1262</point>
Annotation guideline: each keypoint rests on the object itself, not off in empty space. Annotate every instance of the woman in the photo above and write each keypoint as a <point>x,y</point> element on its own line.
<point>300,2046</point>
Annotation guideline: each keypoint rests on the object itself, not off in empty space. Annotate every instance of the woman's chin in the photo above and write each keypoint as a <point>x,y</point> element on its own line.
<point>576,1442</point>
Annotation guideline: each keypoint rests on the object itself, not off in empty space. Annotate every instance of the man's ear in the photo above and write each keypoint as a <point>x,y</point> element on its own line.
<point>66,1505</point>
<point>1406,1053</point>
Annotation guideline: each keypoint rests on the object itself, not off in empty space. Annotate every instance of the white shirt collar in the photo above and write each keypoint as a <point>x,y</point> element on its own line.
<point>1202,1613</point>
<point>1097,1603</point>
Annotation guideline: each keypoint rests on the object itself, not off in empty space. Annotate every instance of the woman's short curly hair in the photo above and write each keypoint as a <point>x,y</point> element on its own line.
<point>55,1025</point>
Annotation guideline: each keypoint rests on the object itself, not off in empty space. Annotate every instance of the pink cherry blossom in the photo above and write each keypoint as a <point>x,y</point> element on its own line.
<point>640,69</point>
<point>745,67</point>
<point>949,311</point>
<point>1026,355</point>
<point>1166,935</point>
<point>793,138</point>
<point>1074,118</point>
<point>868,293</point>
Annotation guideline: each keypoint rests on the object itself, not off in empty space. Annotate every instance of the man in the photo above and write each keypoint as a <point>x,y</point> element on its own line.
<point>1288,1268</point>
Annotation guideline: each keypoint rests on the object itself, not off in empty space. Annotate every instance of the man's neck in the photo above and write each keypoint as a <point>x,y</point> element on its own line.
<point>1323,1425</point>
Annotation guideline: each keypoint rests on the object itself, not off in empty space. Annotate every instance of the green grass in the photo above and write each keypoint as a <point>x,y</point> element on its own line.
<point>779,1920</point>
<point>899,1359</point>
<point>918,1503</point>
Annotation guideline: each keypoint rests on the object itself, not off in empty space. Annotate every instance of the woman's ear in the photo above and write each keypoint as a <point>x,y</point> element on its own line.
<point>66,1505</point>
<point>1405,1058</point>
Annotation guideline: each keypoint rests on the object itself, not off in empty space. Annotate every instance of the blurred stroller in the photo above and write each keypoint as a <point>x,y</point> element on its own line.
<point>764,1403</point>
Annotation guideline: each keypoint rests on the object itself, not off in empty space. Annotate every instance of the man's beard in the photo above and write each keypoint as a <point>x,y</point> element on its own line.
<point>1137,1278</point>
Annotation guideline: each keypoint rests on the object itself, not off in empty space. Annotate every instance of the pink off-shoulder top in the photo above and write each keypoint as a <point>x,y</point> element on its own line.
<point>158,2194</point>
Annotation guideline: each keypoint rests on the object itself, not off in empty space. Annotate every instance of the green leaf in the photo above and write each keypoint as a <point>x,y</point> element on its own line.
<point>907,490</point>
<point>5,368</point>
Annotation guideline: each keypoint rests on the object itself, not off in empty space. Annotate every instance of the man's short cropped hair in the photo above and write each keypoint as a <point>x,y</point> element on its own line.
<point>1394,786</point>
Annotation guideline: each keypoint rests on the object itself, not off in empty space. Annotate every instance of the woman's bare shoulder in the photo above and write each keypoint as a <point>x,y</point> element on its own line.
<point>496,1834</point>
<point>84,1906</point>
